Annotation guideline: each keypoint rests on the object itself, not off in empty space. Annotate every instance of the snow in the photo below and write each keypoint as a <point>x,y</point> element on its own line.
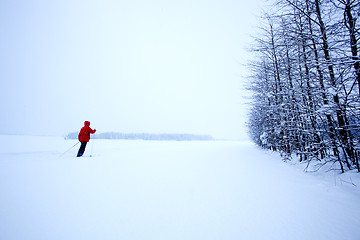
<point>167,190</point>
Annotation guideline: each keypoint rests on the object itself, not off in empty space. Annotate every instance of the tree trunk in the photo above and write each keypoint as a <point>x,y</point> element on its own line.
<point>350,23</point>
<point>343,132</point>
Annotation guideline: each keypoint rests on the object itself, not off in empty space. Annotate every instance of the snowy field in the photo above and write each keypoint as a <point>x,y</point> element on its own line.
<point>144,190</point>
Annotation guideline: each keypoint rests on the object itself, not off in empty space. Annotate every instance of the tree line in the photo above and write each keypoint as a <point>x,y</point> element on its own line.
<point>146,136</point>
<point>306,81</point>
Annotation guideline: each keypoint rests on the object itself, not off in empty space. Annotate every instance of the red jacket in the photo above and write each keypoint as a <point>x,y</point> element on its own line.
<point>84,135</point>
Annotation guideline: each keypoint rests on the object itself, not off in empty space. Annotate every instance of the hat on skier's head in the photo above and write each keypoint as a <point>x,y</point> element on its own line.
<point>87,123</point>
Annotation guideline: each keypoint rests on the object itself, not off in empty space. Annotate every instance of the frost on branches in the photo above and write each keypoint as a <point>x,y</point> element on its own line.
<point>306,82</point>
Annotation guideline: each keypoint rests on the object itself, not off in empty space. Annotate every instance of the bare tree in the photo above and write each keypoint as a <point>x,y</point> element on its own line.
<point>304,81</point>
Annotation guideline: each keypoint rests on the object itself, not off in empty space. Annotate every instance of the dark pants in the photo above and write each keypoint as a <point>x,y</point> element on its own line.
<point>82,149</point>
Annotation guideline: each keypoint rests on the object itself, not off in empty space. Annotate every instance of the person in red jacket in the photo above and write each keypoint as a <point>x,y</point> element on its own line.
<point>84,137</point>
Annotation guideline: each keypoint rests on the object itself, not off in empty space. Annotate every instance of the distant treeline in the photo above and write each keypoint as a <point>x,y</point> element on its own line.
<point>145,136</point>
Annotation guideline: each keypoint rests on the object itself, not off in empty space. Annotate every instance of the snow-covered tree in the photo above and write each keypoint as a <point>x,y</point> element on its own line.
<point>306,81</point>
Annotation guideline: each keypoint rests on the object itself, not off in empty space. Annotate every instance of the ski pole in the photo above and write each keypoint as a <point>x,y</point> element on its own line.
<point>68,150</point>
<point>92,146</point>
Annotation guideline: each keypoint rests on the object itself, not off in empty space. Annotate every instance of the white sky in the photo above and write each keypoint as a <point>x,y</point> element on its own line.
<point>130,66</point>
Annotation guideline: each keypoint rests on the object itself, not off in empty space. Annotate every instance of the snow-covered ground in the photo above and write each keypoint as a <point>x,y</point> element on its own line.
<point>143,190</point>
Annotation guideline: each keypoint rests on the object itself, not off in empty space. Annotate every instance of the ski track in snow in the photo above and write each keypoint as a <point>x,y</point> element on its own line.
<point>134,190</point>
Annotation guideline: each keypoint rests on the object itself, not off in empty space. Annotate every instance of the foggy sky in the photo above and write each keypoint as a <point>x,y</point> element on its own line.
<point>156,66</point>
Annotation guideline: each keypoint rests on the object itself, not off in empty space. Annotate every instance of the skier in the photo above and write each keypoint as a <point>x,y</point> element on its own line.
<point>84,137</point>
